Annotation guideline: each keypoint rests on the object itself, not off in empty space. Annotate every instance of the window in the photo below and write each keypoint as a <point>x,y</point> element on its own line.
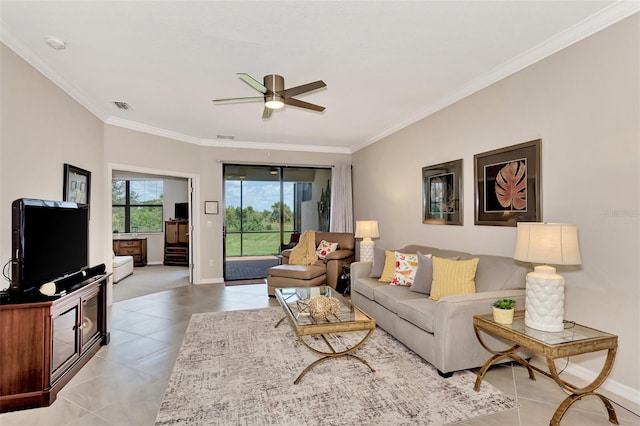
<point>137,205</point>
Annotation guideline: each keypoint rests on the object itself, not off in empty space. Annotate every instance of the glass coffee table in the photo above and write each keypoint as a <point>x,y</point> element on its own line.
<point>294,302</point>
<point>575,339</point>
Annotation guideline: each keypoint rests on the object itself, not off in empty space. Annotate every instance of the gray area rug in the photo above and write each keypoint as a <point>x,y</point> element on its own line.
<point>235,368</point>
<point>249,269</point>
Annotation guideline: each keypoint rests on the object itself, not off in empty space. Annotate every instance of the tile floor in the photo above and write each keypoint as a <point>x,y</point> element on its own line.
<point>125,382</point>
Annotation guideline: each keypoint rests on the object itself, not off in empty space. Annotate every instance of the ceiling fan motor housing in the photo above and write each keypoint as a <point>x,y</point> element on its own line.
<point>274,82</point>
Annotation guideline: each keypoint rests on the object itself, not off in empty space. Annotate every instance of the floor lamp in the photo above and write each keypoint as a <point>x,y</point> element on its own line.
<point>367,229</point>
<point>544,243</point>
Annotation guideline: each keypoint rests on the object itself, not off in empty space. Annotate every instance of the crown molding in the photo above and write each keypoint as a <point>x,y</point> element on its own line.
<point>27,54</point>
<point>589,26</point>
<point>119,122</point>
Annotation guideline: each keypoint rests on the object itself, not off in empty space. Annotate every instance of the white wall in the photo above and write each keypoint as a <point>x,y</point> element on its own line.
<point>583,102</point>
<point>41,129</point>
<point>139,150</point>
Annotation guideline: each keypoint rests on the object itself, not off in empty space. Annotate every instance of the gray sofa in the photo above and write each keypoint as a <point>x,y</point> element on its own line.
<point>441,331</point>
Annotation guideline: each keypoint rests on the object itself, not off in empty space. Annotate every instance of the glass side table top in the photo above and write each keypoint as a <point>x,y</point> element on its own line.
<point>295,301</point>
<point>572,333</point>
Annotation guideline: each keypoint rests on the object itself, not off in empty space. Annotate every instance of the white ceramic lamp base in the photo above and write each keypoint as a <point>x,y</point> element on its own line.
<point>544,300</point>
<point>366,250</point>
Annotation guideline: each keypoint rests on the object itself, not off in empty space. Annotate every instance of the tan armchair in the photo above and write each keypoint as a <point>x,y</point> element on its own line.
<point>287,275</point>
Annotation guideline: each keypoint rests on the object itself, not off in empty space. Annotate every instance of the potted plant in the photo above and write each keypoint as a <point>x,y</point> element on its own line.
<point>503,310</point>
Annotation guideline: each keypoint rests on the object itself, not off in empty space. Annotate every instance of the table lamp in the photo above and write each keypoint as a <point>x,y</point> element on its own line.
<point>546,243</point>
<point>367,229</point>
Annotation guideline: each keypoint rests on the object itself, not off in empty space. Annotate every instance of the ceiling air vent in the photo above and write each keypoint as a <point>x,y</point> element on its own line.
<point>227,137</point>
<point>123,106</point>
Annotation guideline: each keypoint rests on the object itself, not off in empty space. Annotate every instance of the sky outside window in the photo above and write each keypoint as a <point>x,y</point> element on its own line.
<point>260,195</point>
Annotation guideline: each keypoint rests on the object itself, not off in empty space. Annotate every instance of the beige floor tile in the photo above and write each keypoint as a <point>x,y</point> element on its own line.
<point>125,382</point>
<point>61,412</point>
<point>91,420</point>
<point>131,413</point>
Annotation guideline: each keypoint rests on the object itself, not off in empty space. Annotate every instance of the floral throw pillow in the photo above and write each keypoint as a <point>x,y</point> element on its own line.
<point>406,267</point>
<point>325,248</point>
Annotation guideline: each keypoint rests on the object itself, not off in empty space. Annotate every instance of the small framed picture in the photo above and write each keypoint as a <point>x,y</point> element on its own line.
<point>76,185</point>
<point>442,193</point>
<point>210,207</point>
<point>507,185</point>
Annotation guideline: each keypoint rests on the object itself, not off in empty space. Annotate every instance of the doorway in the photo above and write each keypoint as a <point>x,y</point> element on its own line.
<point>173,199</point>
<point>265,208</point>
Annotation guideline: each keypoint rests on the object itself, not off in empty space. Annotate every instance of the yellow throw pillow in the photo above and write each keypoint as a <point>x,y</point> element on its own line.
<point>389,266</point>
<point>453,277</point>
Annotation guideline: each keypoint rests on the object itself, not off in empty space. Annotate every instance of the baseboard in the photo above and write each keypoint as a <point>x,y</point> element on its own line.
<point>210,281</point>
<point>623,395</point>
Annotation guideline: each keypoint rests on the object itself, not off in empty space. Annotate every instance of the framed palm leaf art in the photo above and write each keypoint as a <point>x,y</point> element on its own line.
<point>507,185</point>
<point>442,193</point>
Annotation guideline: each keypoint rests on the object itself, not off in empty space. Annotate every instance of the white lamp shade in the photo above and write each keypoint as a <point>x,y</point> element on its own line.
<point>367,229</point>
<point>547,243</point>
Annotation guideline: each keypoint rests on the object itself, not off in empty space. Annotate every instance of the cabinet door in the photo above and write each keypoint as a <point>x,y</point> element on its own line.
<point>65,346</point>
<point>89,325</point>
<point>171,232</point>
<point>183,233</point>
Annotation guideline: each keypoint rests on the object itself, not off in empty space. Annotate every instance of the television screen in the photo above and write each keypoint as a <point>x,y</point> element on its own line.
<point>181,211</point>
<point>50,241</point>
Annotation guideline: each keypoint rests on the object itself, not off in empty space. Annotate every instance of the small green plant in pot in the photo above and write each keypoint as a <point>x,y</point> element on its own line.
<point>503,310</point>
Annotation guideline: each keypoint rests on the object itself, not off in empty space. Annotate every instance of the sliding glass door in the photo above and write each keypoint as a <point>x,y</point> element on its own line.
<point>265,208</point>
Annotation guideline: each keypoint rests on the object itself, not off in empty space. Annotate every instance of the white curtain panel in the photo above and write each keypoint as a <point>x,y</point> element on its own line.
<point>341,199</point>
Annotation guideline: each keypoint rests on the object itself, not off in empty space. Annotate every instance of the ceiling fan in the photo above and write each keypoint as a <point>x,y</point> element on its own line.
<point>274,94</point>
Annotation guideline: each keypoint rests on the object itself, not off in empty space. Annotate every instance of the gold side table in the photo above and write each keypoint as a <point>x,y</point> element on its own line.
<point>576,339</point>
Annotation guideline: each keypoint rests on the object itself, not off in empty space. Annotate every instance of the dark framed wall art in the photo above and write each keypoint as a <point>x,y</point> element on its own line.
<point>442,193</point>
<point>77,185</point>
<point>507,185</point>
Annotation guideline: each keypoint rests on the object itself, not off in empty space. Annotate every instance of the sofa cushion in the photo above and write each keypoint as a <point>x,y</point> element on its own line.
<point>389,296</point>
<point>500,273</point>
<point>367,286</point>
<point>453,277</point>
<point>424,274</point>
<point>419,311</point>
<point>405,270</point>
<point>378,263</point>
<point>389,266</point>
<point>345,240</point>
<point>324,248</point>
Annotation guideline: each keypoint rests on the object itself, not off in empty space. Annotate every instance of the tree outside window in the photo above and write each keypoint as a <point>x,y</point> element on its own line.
<point>137,205</point>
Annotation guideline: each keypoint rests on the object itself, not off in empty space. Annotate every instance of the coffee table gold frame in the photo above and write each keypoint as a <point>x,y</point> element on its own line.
<point>578,340</point>
<point>356,320</point>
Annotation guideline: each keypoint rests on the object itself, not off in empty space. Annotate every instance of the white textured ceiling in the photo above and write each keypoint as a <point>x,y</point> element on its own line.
<point>386,63</point>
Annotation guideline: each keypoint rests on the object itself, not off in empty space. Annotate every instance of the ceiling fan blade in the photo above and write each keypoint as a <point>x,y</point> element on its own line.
<point>266,113</point>
<point>253,82</point>
<point>238,100</point>
<point>289,93</point>
<point>302,104</point>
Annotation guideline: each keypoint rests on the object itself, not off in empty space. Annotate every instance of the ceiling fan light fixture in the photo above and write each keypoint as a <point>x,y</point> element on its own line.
<point>274,102</point>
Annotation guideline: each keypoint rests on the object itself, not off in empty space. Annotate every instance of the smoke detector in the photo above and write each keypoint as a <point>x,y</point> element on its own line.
<point>56,43</point>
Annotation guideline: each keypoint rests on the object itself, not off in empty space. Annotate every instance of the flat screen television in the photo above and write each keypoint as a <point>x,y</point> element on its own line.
<point>50,241</point>
<point>181,211</point>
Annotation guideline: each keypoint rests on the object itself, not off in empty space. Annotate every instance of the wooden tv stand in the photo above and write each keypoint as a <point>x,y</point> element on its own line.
<point>45,342</point>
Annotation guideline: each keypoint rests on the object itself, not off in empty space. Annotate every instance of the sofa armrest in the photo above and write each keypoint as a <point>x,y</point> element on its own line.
<point>334,266</point>
<point>360,270</point>
<point>338,255</point>
<point>453,326</point>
